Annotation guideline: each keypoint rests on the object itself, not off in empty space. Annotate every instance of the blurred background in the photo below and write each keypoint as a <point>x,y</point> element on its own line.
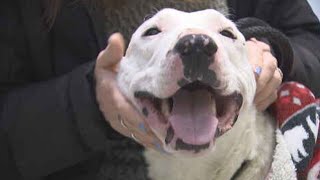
<point>315,4</point>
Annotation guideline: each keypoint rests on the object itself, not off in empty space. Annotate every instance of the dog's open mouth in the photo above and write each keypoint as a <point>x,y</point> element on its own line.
<point>192,118</point>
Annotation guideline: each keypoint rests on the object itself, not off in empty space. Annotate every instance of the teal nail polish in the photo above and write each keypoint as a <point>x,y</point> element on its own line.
<point>160,148</point>
<point>142,128</point>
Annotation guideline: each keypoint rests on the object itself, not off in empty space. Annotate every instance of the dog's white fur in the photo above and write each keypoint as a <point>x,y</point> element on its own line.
<point>145,68</point>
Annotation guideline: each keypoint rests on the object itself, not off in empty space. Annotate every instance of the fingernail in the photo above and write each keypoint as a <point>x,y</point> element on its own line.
<point>159,148</point>
<point>258,70</point>
<point>142,127</point>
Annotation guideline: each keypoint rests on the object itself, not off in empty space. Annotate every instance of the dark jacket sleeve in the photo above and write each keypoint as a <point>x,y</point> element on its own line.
<point>297,21</point>
<point>44,126</point>
<point>53,125</point>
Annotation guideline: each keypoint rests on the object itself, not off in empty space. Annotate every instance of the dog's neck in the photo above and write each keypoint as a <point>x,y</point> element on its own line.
<point>126,15</point>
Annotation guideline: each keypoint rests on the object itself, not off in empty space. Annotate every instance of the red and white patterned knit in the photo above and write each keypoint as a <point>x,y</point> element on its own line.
<point>297,113</point>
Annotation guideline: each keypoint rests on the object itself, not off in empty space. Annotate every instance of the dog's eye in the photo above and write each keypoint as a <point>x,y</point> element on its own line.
<point>228,34</point>
<point>152,31</point>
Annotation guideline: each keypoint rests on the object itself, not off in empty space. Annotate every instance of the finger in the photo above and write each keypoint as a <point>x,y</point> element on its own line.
<point>113,53</point>
<point>265,104</point>
<point>148,141</point>
<point>262,45</point>
<point>269,66</point>
<point>255,57</point>
<point>146,137</point>
<point>133,117</point>
<point>116,101</point>
<point>121,125</point>
<point>125,107</point>
<point>137,126</point>
<point>257,50</point>
<point>271,87</point>
<point>126,124</point>
<point>254,53</point>
<point>116,124</point>
<point>128,120</point>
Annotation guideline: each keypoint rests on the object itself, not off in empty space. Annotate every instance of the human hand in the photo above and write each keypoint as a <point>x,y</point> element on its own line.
<point>116,109</point>
<point>268,75</point>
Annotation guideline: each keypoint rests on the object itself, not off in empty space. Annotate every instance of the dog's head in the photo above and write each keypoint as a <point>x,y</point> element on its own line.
<point>188,73</point>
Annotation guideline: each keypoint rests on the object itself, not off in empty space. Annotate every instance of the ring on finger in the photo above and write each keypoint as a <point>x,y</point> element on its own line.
<point>122,122</point>
<point>134,137</point>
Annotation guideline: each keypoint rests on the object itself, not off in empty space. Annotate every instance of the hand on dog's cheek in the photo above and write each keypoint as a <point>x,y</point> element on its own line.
<point>270,79</point>
<point>114,106</point>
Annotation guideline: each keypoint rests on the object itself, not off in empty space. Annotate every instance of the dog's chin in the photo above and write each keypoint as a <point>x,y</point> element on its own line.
<point>189,121</point>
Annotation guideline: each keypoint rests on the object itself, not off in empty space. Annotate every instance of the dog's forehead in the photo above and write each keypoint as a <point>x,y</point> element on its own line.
<point>173,17</point>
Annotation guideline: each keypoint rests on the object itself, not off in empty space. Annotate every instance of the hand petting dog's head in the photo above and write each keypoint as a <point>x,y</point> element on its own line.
<point>188,73</point>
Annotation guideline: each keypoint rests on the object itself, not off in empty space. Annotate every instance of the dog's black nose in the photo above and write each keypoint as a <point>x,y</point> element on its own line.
<point>196,44</point>
<point>197,53</point>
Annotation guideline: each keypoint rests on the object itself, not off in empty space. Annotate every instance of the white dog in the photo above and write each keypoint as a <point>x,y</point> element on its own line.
<point>188,73</point>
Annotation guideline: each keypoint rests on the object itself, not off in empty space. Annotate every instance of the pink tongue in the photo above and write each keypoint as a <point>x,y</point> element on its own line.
<point>192,117</point>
